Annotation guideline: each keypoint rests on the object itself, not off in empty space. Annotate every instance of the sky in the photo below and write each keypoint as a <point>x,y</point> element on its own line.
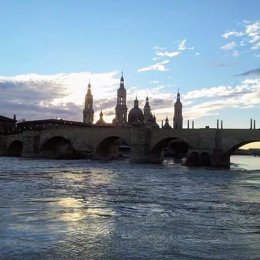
<point>208,49</point>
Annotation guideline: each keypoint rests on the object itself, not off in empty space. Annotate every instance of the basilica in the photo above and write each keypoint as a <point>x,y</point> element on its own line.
<point>136,117</point>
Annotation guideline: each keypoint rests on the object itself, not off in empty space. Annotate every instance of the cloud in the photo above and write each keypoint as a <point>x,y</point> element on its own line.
<point>154,81</point>
<point>256,46</point>
<point>253,31</point>
<point>255,72</point>
<point>209,101</point>
<point>247,37</point>
<point>235,53</point>
<point>182,46</point>
<point>163,52</point>
<point>35,96</point>
<point>227,34</point>
<point>168,54</point>
<point>229,46</point>
<point>160,66</point>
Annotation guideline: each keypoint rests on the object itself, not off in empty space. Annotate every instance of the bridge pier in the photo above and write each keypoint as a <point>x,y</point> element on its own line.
<point>214,158</point>
<point>31,144</point>
<point>140,145</point>
<point>219,159</point>
<point>3,145</point>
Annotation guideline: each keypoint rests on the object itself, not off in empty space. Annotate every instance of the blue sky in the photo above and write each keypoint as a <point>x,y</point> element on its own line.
<point>210,50</point>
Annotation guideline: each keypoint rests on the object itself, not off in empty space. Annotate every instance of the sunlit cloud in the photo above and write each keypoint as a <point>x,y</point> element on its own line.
<point>35,96</point>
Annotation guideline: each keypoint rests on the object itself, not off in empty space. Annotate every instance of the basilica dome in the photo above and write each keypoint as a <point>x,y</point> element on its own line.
<point>136,115</point>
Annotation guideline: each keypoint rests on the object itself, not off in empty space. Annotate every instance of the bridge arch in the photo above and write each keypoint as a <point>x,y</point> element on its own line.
<point>178,146</point>
<point>15,148</point>
<point>112,147</point>
<point>57,147</point>
<point>229,151</point>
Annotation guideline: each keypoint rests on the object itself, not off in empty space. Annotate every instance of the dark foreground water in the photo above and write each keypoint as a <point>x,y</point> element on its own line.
<point>91,210</point>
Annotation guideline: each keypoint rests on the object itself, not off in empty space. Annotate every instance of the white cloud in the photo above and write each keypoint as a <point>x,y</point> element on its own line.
<point>182,46</point>
<point>244,95</point>
<point>235,53</point>
<point>160,66</point>
<point>167,54</point>
<point>228,34</point>
<point>197,54</point>
<point>229,46</point>
<point>154,81</point>
<point>247,37</point>
<point>256,46</point>
<point>253,31</point>
<point>163,52</point>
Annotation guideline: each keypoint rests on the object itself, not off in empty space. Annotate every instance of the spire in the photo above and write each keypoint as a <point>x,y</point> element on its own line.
<point>121,108</point>
<point>178,119</point>
<point>89,88</point>
<point>178,95</point>
<point>166,125</point>
<point>147,105</point>
<point>122,76</point>
<point>101,121</point>
<point>122,81</point>
<point>136,103</point>
<point>88,112</point>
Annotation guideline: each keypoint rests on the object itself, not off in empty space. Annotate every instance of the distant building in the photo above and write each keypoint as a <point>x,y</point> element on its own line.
<point>88,112</point>
<point>136,115</point>
<point>101,121</point>
<point>178,119</point>
<point>121,108</point>
<point>166,125</point>
<point>7,123</point>
<point>149,119</point>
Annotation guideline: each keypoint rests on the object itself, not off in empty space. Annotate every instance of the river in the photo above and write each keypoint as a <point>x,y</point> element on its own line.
<point>63,209</point>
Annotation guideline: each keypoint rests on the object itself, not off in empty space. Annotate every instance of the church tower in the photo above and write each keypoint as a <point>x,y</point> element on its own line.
<point>178,119</point>
<point>121,108</point>
<point>88,112</point>
<point>147,111</point>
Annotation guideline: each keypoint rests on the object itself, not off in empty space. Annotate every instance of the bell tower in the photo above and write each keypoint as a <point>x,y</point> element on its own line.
<point>147,112</point>
<point>178,119</point>
<point>88,112</point>
<point>121,108</point>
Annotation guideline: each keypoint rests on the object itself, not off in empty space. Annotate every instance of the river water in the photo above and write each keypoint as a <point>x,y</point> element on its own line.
<point>55,209</point>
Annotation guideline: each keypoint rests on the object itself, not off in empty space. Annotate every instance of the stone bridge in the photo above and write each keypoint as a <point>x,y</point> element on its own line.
<point>204,146</point>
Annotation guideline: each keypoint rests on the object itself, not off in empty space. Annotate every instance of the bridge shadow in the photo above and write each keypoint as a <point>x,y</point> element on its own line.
<point>15,148</point>
<point>57,148</point>
<point>169,148</point>
<point>112,148</point>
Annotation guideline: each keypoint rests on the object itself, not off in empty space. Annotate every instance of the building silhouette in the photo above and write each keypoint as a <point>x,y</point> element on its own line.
<point>121,108</point>
<point>88,112</point>
<point>178,119</point>
<point>135,117</point>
